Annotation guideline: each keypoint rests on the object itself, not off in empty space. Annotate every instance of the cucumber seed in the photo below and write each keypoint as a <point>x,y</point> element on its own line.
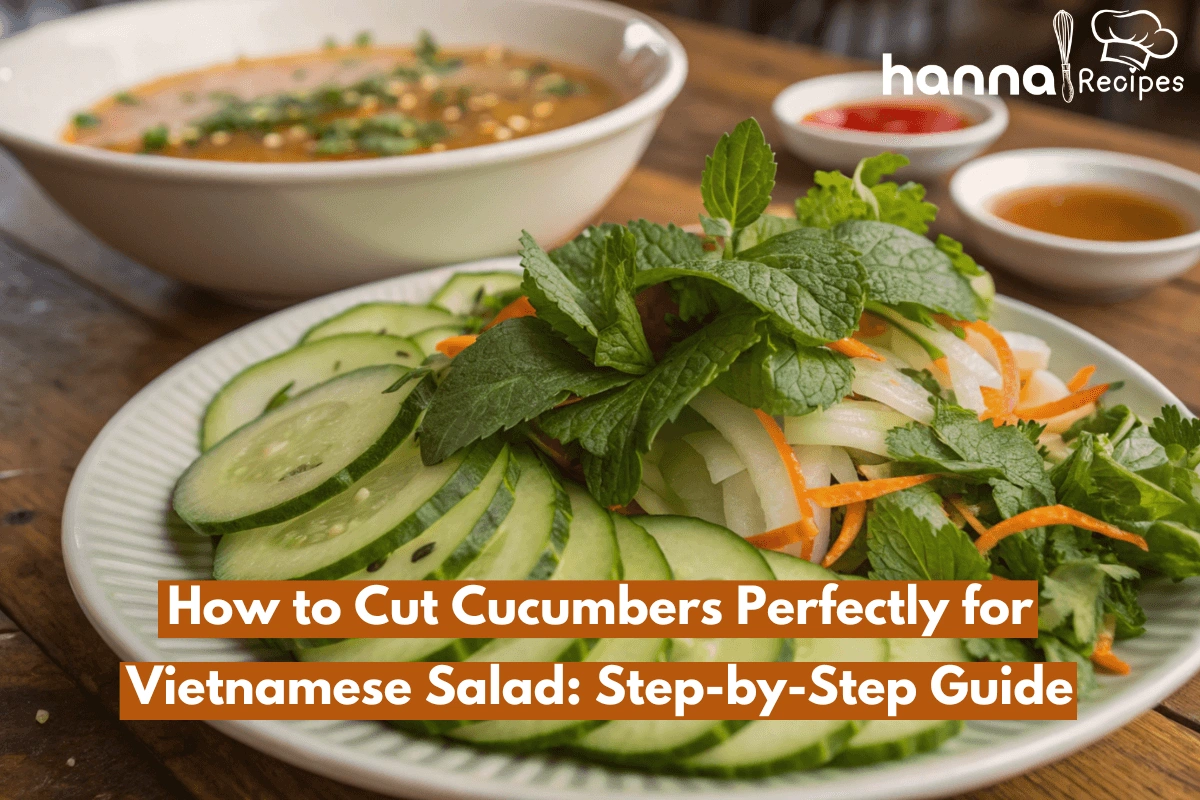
<point>362,494</point>
<point>273,448</point>
<point>337,529</point>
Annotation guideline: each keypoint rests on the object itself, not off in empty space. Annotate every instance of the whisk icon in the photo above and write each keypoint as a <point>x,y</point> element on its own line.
<point>1064,30</point>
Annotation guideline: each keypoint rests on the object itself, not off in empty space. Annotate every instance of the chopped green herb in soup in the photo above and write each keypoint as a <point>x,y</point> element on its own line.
<point>344,102</point>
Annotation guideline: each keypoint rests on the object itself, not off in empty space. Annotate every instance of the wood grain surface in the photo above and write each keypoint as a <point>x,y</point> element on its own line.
<point>82,329</point>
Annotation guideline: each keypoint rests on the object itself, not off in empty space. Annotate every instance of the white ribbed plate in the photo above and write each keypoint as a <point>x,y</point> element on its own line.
<point>116,545</point>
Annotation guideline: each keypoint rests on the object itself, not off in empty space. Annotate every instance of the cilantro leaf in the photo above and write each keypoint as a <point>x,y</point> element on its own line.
<point>1057,650</point>
<point>812,286</point>
<point>585,291</point>
<point>617,428</point>
<point>997,649</point>
<point>1171,428</point>
<point>1073,591</point>
<point>512,373</point>
<point>958,442</point>
<point>906,269</point>
<point>837,198</point>
<point>904,546</point>
<point>787,379</point>
<point>739,175</point>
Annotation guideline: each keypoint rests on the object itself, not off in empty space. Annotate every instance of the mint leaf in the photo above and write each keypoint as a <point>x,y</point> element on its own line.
<point>512,373</point>
<point>585,291</point>
<point>836,198</point>
<point>906,269</point>
<point>662,246</point>
<point>763,228</point>
<point>903,546</point>
<point>787,379</point>
<point>812,286</point>
<point>616,429</point>
<point>621,342</point>
<point>739,175</point>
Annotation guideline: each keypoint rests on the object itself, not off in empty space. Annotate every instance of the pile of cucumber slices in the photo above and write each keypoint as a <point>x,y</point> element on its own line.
<point>311,469</point>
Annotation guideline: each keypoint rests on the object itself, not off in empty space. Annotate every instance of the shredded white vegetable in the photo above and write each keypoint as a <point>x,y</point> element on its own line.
<point>888,385</point>
<point>842,466</point>
<point>720,458</point>
<point>1031,352</point>
<point>742,429</point>
<point>814,464</point>
<point>862,424</point>
<point>743,510</point>
<point>651,503</point>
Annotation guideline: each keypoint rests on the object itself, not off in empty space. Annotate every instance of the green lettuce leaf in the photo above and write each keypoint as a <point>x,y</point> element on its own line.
<point>617,428</point>
<point>739,176</point>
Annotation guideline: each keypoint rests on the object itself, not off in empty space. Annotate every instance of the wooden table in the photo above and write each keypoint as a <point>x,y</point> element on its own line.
<point>82,329</point>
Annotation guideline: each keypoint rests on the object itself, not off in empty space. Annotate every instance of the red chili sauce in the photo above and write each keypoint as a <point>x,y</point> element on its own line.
<point>891,117</point>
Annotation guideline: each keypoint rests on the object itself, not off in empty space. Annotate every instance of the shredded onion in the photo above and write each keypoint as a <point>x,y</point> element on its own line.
<point>888,385</point>
<point>814,463</point>
<point>720,458</point>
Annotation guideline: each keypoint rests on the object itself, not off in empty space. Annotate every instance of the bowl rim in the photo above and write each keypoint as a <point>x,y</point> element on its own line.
<point>993,123</point>
<point>645,104</point>
<point>976,209</point>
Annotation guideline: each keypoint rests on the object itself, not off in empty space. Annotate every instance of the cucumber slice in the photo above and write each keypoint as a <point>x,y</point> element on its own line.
<point>891,739</point>
<point>696,550</point>
<point>263,386</point>
<point>394,319</point>
<point>534,531</point>
<point>591,554</point>
<point>402,499</point>
<point>462,293</point>
<point>447,546</point>
<point>765,747</point>
<point>643,561</point>
<point>296,457</point>
<point>427,339</point>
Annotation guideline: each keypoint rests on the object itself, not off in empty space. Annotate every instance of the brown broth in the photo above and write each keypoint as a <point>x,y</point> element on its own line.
<point>494,95</point>
<point>1092,211</point>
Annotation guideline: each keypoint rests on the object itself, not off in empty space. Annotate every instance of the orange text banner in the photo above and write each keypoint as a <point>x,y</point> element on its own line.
<point>594,609</point>
<point>597,691</point>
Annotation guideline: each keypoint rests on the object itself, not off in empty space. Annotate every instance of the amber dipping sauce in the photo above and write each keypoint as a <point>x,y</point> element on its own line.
<point>1092,211</point>
<point>891,117</point>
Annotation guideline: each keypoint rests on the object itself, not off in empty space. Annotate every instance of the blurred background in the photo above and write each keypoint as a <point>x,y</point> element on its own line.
<point>917,32</point>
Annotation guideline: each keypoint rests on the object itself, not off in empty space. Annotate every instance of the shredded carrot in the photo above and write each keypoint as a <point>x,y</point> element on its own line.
<point>1001,410</point>
<point>853,348</point>
<point>521,307</point>
<point>1069,403</point>
<point>998,577</point>
<point>968,515</point>
<point>808,528</point>
<point>1081,378</point>
<point>778,538</point>
<point>1102,654</point>
<point>851,524</point>
<point>943,364</point>
<point>843,494</point>
<point>454,345</point>
<point>870,326</point>
<point>1054,515</point>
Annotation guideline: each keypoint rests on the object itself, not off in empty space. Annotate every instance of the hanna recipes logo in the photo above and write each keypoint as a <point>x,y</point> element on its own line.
<point>1129,38</point>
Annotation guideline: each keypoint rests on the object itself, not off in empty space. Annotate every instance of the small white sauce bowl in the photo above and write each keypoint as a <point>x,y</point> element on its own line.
<point>931,154</point>
<point>1079,268</point>
<point>272,233</point>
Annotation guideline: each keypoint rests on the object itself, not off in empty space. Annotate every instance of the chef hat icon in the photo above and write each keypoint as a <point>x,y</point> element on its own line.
<point>1132,37</point>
